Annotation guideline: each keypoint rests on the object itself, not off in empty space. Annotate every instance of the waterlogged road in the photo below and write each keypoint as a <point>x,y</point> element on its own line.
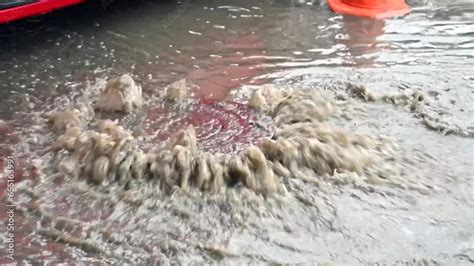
<point>423,214</point>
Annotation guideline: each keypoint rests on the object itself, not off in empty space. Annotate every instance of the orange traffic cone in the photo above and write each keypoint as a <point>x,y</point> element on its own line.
<point>378,9</point>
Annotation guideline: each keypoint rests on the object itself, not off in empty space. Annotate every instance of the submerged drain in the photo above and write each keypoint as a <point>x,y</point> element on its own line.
<point>221,126</point>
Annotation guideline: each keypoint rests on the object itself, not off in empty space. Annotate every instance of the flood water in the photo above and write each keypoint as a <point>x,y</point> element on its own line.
<point>220,47</point>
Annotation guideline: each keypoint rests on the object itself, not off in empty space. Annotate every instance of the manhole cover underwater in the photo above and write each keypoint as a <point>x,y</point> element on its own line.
<point>221,126</point>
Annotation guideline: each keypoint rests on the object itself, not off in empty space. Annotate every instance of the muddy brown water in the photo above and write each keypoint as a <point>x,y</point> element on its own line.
<point>223,48</point>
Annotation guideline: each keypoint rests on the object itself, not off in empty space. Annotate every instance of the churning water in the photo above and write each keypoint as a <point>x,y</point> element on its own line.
<point>419,209</point>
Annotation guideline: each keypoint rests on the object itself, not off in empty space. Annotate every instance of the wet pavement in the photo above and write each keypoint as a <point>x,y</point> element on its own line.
<point>223,49</point>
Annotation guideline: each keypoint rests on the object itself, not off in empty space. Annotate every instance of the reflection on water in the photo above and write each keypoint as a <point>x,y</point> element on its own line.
<point>219,45</point>
<point>360,38</point>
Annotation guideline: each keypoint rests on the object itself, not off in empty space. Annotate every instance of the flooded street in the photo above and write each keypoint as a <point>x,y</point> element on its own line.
<point>357,133</point>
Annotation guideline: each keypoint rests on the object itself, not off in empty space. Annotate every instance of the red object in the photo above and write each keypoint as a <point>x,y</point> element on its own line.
<point>378,9</point>
<point>33,9</point>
